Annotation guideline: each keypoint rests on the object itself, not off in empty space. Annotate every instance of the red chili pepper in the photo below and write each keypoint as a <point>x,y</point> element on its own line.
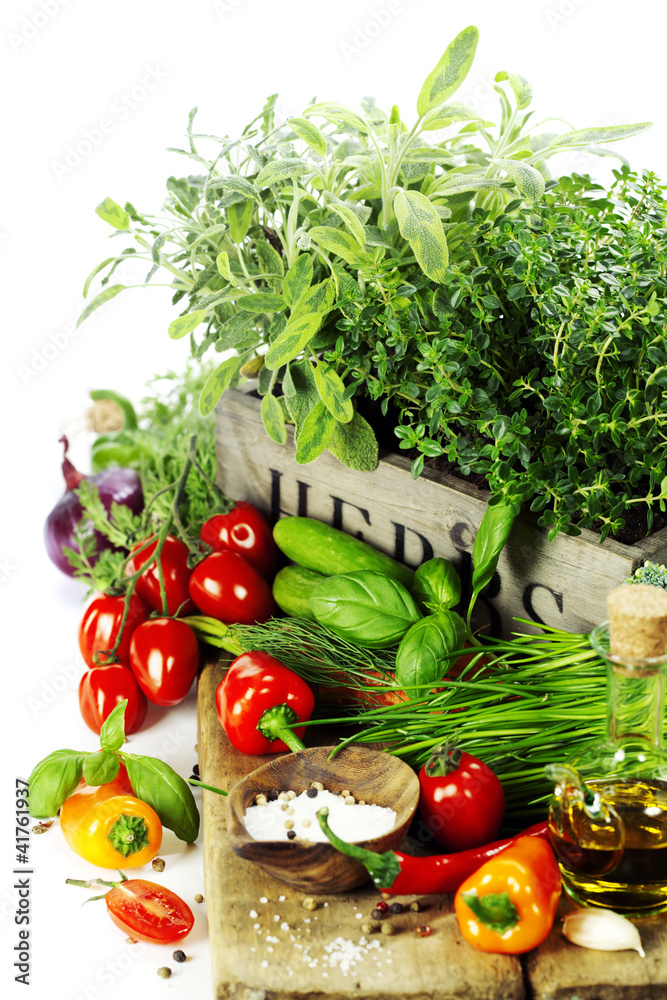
<point>405,874</point>
<point>259,700</point>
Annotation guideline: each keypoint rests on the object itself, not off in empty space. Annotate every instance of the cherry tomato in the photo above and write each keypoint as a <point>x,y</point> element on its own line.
<point>100,626</point>
<point>244,530</point>
<point>102,688</point>
<point>176,573</point>
<point>164,656</point>
<point>147,911</point>
<point>461,800</point>
<point>226,587</point>
<point>109,828</point>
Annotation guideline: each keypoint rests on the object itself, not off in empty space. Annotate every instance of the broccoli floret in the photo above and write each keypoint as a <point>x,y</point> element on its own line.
<point>651,573</point>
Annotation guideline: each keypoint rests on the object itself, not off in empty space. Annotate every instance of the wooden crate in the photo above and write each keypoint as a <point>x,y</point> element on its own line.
<point>562,583</point>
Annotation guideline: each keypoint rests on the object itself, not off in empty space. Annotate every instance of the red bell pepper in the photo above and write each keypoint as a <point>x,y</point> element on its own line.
<point>258,702</point>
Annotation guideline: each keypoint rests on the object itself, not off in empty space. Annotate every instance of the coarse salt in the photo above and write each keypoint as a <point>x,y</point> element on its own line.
<point>352,822</point>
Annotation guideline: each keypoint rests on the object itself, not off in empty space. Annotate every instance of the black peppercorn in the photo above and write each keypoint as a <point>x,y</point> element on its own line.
<point>311,793</point>
<point>179,956</point>
<point>396,907</point>
<point>272,795</point>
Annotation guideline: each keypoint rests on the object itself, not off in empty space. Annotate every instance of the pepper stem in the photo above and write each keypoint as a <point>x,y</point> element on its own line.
<point>383,869</point>
<point>128,834</point>
<point>275,724</point>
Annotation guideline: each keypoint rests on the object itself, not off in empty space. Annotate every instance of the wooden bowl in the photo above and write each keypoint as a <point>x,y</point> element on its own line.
<point>371,775</point>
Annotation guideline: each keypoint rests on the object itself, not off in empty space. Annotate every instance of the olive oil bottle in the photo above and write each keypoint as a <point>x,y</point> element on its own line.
<point>608,815</point>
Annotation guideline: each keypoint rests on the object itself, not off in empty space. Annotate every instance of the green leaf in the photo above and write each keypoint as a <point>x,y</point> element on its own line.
<point>53,780</point>
<point>185,193</point>
<point>166,792</point>
<point>341,243</point>
<point>445,115</point>
<point>100,768</point>
<point>450,72</point>
<point>436,585</point>
<point>234,330</point>
<point>273,418</point>
<point>93,274</point>
<point>239,216</point>
<point>183,325</point>
<point>528,180</point>
<point>335,112</point>
<point>99,300</point>
<point>234,182</point>
<point>331,388</point>
<point>367,608</point>
<point>297,280</point>
<point>300,393</point>
<point>355,444</point>
<point>270,260</point>
<point>315,434</point>
<point>222,263</point>
<point>607,133</point>
<point>276,172</point>
<point>309,133</point>
<point>111,212</point>
<point>216,384</point>
<point>523,91</point>
<point>262,302</point>
<point>490,539</point>
<point>317,298</point>
<point>424,652</point>
<point>292,340</point>
<point>351,221</point>
<point>112,733</point>
<point>420,225</point>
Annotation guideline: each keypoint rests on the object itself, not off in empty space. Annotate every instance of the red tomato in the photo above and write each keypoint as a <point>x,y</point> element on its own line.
<point>226,587</point>
<point>102,688</point>
<point>147,911</point>
<point>164,657</point>
<point>461,800</point>
<point>100,626</point>
<point>244,530</point>
<point>176,573</point>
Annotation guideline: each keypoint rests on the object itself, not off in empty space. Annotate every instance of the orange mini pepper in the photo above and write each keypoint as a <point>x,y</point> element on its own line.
<point>109,827</point>
<point>508,905</point>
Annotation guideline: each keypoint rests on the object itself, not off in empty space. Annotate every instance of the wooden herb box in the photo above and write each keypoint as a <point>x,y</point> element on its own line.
<point>562,583</point>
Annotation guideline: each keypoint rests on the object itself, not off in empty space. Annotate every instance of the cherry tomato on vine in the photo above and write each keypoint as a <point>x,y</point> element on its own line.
<point>226,587</point>
<point>102,688</point>
<point>100,626</point>
<point>110,828</point>
<point>150,912</point>
<point>175,571</point>
<point>164,656</point>
<point>461,800</point>
<point>244,530</point>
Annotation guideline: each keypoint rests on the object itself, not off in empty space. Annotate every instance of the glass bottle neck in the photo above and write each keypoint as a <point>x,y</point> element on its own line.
<point>636,702</point>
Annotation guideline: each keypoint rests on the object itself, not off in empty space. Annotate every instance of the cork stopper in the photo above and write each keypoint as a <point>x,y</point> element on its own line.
<point>637,621</point>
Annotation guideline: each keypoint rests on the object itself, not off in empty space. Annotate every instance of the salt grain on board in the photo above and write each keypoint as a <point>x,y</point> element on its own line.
<point>351,822</point>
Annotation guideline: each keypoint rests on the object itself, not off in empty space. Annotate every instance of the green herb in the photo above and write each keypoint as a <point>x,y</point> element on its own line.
<point>651,573</point>
<point>367,608</point>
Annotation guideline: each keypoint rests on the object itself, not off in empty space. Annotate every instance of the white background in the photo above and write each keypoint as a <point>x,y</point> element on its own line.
<point>142,66</point>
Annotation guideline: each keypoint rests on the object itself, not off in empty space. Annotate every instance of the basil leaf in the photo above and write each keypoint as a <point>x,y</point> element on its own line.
<point>367,608</point>
<point>100,768</point>
<point>170,796</point>
<point>53,780</point>
<point>112,733</point>
<point>436,585</point>
<point>425,650</point>
<point>491,536</point>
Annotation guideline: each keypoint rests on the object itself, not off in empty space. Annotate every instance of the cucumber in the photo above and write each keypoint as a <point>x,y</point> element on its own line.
<point>319,547</point>
<point>292,587</point>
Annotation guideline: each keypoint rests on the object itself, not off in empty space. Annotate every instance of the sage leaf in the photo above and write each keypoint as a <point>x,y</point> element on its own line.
<point>528,180</point>
<point>217,382</point>
<point>523,91</point>
<point>99,300</point>
<point>292,340</point>
<point>112,732</point>
<point>310,134</point>
<point>331,388</point>
<point>166,792</point>
<point>436,585</point>
<point>111,212</point>
<point>234,330</point>
<point>335,112</point>
<point>53,780</point>
<point>445,115</point>
<point>241,185</point>
<point>450,71</point>
<point>314,434</point>
<point>222,263</point>
<point>100,768</point>
<point>270,260</point>
<point>273,418</point>
<point>262,302</point>
<point>420,225</point>
<point>276,172</point>
<point>93,274</point>
<point>425,650</point>
<point>355,445</point>
<point>183,325</point>
<point>298,279</point>
<point>606,133</point>
<point>300,393</point>
<point>367,608</point>
<point>341,243</point>
<point>316,299</point>
<point>351,221</point>
<point>239,216</point>
<point>490,539</point>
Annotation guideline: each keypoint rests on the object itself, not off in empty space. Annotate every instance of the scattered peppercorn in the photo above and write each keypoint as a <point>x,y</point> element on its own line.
<point>158,864</point>
<point>311,792</point>
<point>369,928</point>
<point>387,928</point>
<point>199,898</point>
<point>382,906</point>
<point>40,828</point>
<point>309,903</point>
<point>179,956</point>
<point>291,834</point>
<point>415,906</point>
<point>164,971</point>
<point>396,907</point>
<point>386,895</point>
<point>424,930</point>
<point>377,914</point>
<point>272,795</point>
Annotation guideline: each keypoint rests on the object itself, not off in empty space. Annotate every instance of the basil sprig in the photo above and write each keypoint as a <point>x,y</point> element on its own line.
<point>55,777</point>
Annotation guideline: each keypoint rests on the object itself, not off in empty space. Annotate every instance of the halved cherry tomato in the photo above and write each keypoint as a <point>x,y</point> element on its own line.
<point>102,688</point>
<point>226,587</point>
<point>175,571</point>
<point>109,828</point>
<point>147,911</point>
<point>244,530</point>
<point>164,656</point>
<point>101,623</point>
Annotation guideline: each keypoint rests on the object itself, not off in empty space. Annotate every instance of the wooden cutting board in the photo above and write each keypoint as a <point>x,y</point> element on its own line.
<point>266,946</point>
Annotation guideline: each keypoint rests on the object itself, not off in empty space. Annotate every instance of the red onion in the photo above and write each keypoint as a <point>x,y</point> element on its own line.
<point>113,484</point>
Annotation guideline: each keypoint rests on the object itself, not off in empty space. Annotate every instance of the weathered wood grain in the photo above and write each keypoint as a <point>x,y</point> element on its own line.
<point>562,583</point>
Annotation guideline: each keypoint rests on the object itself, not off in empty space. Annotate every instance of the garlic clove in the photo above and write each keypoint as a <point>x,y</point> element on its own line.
<point>603,930</point>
